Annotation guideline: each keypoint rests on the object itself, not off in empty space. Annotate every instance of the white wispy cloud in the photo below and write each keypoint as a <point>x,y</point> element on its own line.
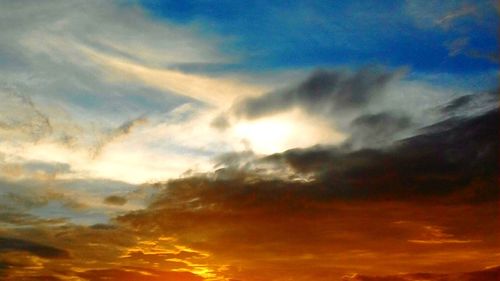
<point>74,73</point>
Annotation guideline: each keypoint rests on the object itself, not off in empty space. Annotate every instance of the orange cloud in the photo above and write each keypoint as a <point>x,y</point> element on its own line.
<point>265,231</point>
<point>419,206</point>
<point>489,274</point>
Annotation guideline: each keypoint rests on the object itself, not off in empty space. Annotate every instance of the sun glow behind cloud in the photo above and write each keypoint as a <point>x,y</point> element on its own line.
<point>284,131</point>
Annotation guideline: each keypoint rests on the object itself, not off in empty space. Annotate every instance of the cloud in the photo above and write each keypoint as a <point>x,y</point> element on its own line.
<point>308,214</point>
<point>489,274</point>
<point>457,46</point>
<point>23,219</point>
<point>324,92</point>
<point>49,190</point>
<point>32,194</point>
<point>444,15</point>
<point>275,230</point>
<point>16,169</point>
<point>460,46</point>
<point>78,79</point>
<point>12,244</point>
<point>431,234</point>
<point>139,275</point>
<point>448,19</point>
<point>220,122</point>
<point>339,102</point>
<point>326,219</point>
<point>126,30</point>
<point>378,129</point>
<point>470,105</point>
<point>453,155</point>
<point>115,200</point>
<point>489,56</point>
<point>221,91</point>
<point>336,102</point>
<point>458,20</point>
<point>21,119</point>
<point>123,130</point>
<point>85,75</point>
<point>110,252</point>
<point>36,278</point>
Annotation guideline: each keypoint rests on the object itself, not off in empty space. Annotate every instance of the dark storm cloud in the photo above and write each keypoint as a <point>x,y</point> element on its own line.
<point>378,129</point>
<point>456,164</point>
<point>44,251</point>
<point>456,154</point>
<point>324,92</point>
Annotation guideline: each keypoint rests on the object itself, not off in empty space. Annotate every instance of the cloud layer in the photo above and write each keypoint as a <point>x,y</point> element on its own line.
<point>320,141</point>
<point>324,92</point>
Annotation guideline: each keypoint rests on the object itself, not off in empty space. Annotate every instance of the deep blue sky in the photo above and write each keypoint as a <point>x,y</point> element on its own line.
<point>288,34</point>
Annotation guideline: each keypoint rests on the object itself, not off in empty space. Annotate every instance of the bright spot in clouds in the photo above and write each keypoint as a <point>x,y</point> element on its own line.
<point>285,131</point>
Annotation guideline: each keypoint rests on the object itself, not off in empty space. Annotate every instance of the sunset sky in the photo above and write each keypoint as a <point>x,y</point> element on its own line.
<point>196,140</point>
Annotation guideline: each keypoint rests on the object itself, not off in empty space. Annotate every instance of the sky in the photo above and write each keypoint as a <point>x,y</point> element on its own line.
<point>156,140</point>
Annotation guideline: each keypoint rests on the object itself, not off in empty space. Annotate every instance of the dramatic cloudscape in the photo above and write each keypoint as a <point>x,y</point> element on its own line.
<point>158,140</point>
